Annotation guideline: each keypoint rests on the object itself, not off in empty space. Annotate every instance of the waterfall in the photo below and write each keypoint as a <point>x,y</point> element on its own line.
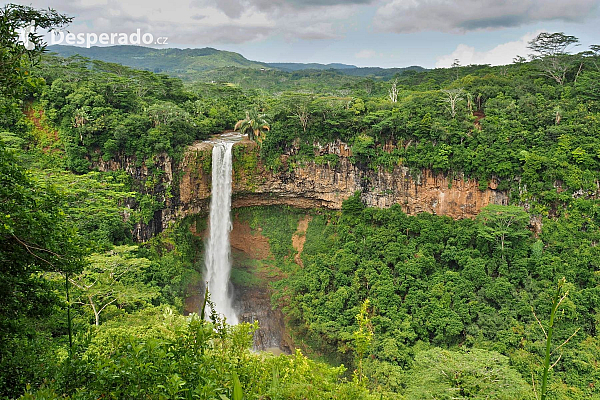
<point>217,259</point>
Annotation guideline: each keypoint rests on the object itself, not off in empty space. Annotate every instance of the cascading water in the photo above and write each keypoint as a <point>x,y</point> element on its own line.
<point>217,259</point>
<point>251,303</point>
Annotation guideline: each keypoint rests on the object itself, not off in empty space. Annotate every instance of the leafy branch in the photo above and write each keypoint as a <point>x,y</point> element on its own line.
<point>558,299</point>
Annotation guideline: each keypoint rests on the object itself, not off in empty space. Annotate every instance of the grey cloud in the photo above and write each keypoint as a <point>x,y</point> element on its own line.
<point>235,8</point>
<point>319,31</point>
<point>225,34</point>
<point>206,22</point>
<point>196,33</point>
<point>327,2</point>
<point>404,16</point>
<point>232,8</point>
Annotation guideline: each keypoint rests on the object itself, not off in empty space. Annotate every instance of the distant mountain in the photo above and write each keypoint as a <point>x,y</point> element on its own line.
<point>199,64</point>
<point>178,62</point>
<point>347,69</point>
<point>381,72</point>
<point>303,66</point>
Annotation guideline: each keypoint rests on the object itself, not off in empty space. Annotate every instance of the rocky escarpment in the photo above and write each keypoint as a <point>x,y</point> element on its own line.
<point>155,177</point>
<point>185,187</point>
<point>326,184</point>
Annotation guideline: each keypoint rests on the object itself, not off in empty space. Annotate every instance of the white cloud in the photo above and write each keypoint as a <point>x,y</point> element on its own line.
<point>499,55</point>
<point>405,16</point>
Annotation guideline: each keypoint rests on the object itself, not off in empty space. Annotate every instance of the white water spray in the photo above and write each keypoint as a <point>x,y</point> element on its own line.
<point>217,259</point>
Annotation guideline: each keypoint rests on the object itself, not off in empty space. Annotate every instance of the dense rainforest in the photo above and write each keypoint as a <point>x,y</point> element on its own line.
<point>382,304</point>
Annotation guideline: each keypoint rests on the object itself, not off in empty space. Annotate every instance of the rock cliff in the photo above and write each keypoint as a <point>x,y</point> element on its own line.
<point>312,184</point>
<point>185,186</point>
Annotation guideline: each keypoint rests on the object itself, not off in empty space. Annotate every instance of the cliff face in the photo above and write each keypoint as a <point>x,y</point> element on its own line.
<point>315,184</point>
<point>146,180</point>
<point>185,187</point>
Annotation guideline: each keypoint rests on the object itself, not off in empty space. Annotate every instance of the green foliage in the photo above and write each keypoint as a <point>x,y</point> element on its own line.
<point>245,165</point>
<point>449,302</point>
<point>557,300</point>
<point>550,50</point>
<point>432,281</point>
<point>362,339</point>
<point>238,392</point>
<point>164,355</point>
<point>503,224</point>
<point>34,233</point>
<point>114,278</point>
<point>15,58</point>
<point>254,125</point>
<point>474,374</point>
<point>25,360</point>
<point>278,227</point>
<point>35,237</point>
<point>187,64</point>
<point>110,111</point>
<point>529,133</point>
<point>176,261</point>
<point>353,206</point>
<point>96,203</point>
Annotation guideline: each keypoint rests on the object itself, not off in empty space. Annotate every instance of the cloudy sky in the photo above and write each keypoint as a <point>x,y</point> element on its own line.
<point>386,33</point>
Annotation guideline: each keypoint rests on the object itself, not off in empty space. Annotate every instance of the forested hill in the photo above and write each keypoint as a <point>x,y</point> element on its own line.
<point>346,69</point>
<point>300,66</point>
<point>198,64</point>
<point>176,62</point>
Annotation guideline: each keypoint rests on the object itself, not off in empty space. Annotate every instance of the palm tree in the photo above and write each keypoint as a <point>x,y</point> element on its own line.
<point>254,125</point>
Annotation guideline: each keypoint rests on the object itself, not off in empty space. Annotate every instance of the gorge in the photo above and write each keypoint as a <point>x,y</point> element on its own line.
<point>198,184</point>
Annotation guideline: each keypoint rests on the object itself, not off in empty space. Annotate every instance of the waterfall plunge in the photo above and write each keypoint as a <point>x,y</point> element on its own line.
<point>217,259</point>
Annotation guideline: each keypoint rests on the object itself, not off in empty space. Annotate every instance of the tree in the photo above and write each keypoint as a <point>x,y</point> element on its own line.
<point>114,277</point>
<point>299,106</point>
<point>595,52</point>
<point>254,125</point>
<point>96,204</point>
<point>166,113</point>
<point>452,97</point>
<point>473,374</point>
<point>35,238</point>
<point>368,86</point>
<point>456,66</point>
<point>519,60</point>
<point>503,224</point>
<point>550,49</point>
<point>363,147</point>
<point>363,337</point>
<point>303,115</point>
<point>393,92</point>
<point>15,57</point>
